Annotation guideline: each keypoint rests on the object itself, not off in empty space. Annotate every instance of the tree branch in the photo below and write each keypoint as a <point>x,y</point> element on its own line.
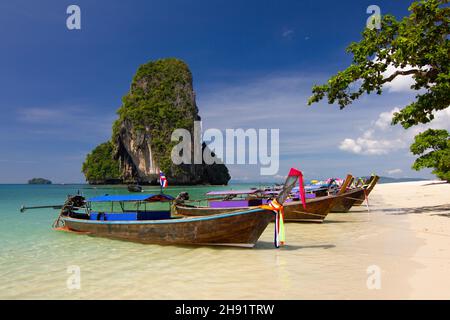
<point>402,73</point>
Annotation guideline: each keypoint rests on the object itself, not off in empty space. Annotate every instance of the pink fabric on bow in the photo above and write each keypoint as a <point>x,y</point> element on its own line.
<point>301,188</point>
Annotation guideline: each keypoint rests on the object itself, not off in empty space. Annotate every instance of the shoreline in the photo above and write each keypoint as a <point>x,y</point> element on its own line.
<point>231,182</point>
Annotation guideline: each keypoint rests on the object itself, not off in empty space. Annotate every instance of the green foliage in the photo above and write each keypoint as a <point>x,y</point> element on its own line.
<point>434,148</point>
<point>100,166</point>
<point>159,100</point>
<point>419,43</point>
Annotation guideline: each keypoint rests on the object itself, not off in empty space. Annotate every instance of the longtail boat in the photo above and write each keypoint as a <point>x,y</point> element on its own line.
<point>353,197</point>
<point>134,188</point>
<point>139,224</point>
<point>373,180</point>
<point>316,209</point>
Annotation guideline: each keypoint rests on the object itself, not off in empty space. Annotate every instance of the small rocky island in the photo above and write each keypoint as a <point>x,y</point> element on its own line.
<point>161,99</point>
<point>39,181</point>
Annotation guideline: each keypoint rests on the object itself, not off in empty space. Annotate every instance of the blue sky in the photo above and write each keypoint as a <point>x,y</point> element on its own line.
<point>253,62</point>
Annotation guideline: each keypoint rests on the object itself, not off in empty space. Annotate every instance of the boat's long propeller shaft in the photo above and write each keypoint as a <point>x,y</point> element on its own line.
<point>56,207</point>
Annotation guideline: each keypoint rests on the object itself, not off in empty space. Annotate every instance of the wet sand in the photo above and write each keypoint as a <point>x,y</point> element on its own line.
<point>405,236</point>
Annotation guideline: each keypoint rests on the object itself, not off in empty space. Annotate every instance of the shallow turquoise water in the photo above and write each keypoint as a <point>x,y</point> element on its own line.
<point>326,260</point>
<point>34,258</point>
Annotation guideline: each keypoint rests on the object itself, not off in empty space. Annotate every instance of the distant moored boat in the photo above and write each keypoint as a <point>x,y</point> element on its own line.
<point>134,188</point>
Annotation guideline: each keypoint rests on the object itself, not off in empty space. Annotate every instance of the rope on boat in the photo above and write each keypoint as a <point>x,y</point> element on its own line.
<point>68,207</point>
<point>351,198</point>
<point>366,196</point>
<point>308,213</point>
<point>58,223</point>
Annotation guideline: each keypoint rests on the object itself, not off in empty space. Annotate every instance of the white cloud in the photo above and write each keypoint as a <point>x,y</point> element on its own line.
<point>288,33</point>
<point>383,138</point>
<point>394,171</point>
<point>66,122</point>
<point>17,161</point>
<point>385,118</point>
<point>36,115</point>
<point>367,146</point>
<point>441,120</point>
<point>310,136</point>
<point>274,102</point>
<point>350,145</point>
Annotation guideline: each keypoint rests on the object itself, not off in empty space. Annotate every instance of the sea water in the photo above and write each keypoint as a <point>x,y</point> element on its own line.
<point>36,262</point>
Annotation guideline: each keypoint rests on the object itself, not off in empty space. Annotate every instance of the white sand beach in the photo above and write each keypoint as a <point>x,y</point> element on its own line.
<point>423,246</point>
<point>406,236</point>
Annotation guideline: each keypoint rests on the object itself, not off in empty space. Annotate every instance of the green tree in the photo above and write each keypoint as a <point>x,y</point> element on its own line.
<point>100,166</point>
<point>433,146</point>
<point>417,45</point>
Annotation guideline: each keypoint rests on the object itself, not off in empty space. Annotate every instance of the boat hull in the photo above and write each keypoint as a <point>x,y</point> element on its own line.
<point>316,209</point>
<point>347,200</point>
<point>233,229</point>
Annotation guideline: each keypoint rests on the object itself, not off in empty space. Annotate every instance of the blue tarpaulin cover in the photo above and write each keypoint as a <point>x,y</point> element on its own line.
<point>130,216</point>
<point>132,198</point>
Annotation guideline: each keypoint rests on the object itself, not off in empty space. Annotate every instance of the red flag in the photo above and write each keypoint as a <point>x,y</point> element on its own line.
<point>301,189</point>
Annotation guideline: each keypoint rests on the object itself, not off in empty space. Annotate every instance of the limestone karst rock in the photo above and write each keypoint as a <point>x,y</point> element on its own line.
<point>161,99</point>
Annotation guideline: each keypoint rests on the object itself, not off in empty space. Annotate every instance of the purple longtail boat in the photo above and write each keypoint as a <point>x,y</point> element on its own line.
<point>225,201</point>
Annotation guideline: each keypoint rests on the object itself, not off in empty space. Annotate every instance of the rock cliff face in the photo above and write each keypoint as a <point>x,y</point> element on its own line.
<point>134,151</point>
<point>161,99</point>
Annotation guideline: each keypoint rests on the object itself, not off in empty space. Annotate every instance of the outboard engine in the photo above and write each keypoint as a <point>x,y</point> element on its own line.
<point>77,201</point>
<point>72,203</point>
<point>182,196</point>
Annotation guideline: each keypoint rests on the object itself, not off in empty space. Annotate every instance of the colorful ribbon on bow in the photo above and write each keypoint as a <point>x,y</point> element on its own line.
<point>280,236</point>
<point>277,208</point>
<point>366,197</point>
<point>301,186</point>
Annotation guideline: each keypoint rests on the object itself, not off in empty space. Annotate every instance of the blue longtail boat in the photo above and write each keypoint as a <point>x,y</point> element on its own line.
<point>116,218</point>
